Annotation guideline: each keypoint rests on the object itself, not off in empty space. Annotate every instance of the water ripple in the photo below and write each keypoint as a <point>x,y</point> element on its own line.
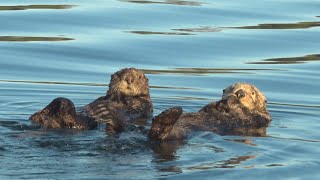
<point>44,6</point>
<point>289,60</point>
<point>52,82</point>
<point>190,50</point>
<point>229,163</point>
<point>85,84</point>
<point>158,33</point>
<point>294,105</point>
<point>32,38</point>
<point>205,71</point>
<point>297,139</point>
<point>298,25</point>
<point>181,31</point>
<point>170,2</point>
<point>200,29</point>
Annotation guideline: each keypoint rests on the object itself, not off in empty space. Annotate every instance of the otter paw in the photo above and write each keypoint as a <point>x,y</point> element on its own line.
<point>60,113</point>
<point>163,123</point>
<point>114,126</point>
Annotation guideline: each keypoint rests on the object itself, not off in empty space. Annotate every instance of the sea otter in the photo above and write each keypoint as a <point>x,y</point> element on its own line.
<point>241,111</point>
<point>127,101</point>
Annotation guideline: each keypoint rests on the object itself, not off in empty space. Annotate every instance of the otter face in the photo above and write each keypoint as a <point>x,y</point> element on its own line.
<point>129,82</point>
<point>249,96</point>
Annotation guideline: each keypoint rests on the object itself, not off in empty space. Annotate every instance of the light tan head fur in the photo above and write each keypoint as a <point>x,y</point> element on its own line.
<point>249,96</point>
<point>128,82</point>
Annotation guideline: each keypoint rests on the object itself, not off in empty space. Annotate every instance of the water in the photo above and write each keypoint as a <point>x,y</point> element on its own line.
<point>190,51</point>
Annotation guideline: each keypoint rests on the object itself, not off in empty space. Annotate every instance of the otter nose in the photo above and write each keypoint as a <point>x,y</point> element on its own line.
<point>240,94</point>
<point>129,79</point>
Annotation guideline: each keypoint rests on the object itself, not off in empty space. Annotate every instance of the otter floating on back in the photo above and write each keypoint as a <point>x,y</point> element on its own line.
<point>127,100</point>
<point>241,111</point>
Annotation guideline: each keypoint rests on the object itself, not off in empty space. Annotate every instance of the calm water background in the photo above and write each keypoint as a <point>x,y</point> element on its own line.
<point>190,50</point>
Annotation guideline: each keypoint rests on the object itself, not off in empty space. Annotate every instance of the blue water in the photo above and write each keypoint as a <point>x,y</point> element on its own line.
<point>190,51</point>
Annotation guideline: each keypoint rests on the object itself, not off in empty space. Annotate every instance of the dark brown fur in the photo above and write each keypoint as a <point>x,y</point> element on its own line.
<point>61,113</point>
<point>241,111</point>
<point>127,101</point>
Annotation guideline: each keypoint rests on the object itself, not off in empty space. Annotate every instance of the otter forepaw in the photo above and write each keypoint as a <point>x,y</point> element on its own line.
<point>114,126</point>
<point>60,113</point>
<point>163,123</point>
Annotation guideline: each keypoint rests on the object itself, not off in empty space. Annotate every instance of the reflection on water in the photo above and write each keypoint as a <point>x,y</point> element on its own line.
<point>186,98</point>
<point>86,84</point>
<point>158,33</point>
<point>299,25</point>
<point>289,60</point>
<point>173,2</point>
<point>244,141</point>
<point>2,149</point>
<point>52,82</point>
<point>32,38</point>
<point>166,151</point>
<point>186,32</point>
<point>44,6</point>
<point>229,163</point>
<point>294,105</point>
<point>172,169</point>
<point>274,165</point>
<point>200,29</point>
<point>17,126</point>
<point>297,139</point>
<point>183,31</point>
<point>205,71</point>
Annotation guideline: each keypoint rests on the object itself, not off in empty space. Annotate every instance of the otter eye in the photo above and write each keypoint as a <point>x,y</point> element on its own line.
<point>253,93</point>
<point>224,91</point>
<point>240,94</point>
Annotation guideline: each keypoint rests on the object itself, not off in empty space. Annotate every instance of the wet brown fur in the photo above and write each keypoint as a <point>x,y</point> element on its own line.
<point>61,113</point>
<point>241,111</point>
<point>127,101</point>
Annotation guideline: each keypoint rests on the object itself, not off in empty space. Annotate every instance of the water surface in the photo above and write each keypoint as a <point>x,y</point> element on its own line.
<point>190,51</point>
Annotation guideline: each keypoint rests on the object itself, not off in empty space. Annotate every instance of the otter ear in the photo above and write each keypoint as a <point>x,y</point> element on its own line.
<point>223,91</point>
<point>113,76</point>
<point>141,76</point>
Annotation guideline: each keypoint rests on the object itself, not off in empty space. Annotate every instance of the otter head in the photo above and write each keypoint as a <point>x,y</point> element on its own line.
<point>247,95</point>
<point>128,82</point>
